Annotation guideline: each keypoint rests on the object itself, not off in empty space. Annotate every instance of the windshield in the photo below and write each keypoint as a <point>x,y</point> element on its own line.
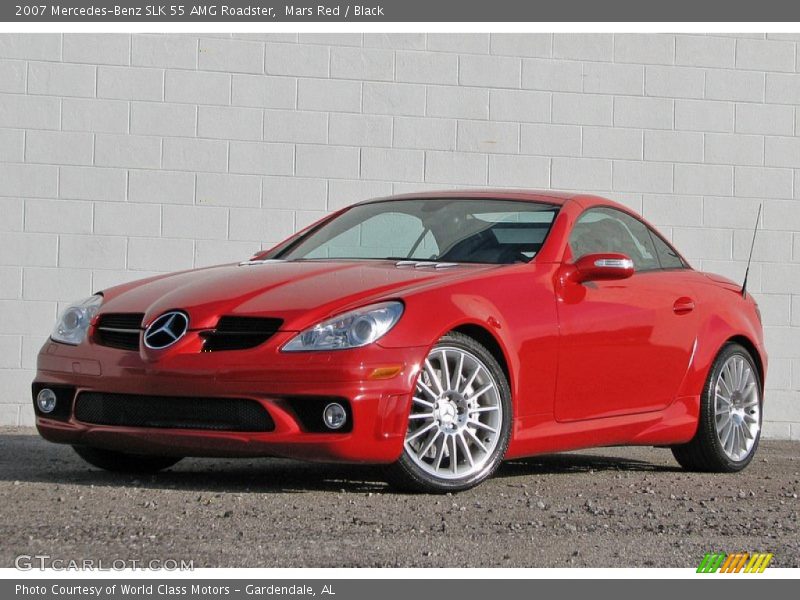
<point>442,230</point>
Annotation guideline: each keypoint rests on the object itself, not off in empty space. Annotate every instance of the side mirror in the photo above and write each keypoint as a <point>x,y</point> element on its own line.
<point>594,267</point>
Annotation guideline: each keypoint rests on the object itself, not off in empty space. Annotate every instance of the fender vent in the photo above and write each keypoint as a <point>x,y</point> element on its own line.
<point>239,333</point>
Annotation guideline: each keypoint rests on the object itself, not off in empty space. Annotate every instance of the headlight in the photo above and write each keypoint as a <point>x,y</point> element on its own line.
<point>349,330</point>
<point>74,322</point>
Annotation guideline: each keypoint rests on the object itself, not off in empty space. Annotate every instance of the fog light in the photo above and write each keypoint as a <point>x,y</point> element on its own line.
<point>334,416</point>
<point>46,400</point>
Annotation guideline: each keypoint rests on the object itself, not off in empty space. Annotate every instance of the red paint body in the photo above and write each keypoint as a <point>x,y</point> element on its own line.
<point>589,364</point>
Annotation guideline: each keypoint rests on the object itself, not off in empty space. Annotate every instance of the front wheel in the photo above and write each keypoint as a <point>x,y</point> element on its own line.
<point>121,462</point>
<point>459,424</point>
<point>730,416</point>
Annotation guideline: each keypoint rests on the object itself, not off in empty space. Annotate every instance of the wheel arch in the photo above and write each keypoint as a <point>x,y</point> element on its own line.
<point>487,339</point>
<point>706,354</point>
<point>748,345</point>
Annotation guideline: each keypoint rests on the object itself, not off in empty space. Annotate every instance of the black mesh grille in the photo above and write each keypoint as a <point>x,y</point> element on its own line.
<point>239,333</point>
<point>172,412</point>
<point>119,330</point>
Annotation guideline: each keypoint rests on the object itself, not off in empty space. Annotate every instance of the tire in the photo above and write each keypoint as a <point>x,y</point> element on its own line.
<point>120,462</point>
<point>471,411</point>
<point>711,450</point>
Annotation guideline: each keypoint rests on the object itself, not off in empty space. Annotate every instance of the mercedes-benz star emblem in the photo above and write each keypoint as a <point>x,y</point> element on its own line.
<point>166,330</point>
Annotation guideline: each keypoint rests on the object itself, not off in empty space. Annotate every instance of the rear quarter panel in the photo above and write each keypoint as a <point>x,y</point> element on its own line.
<point>724,314</point>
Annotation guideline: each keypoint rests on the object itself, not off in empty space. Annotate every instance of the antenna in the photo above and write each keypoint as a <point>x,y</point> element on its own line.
<point>750,258</point>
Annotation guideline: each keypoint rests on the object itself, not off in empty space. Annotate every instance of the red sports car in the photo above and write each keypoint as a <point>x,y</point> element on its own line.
<point>434,333</point>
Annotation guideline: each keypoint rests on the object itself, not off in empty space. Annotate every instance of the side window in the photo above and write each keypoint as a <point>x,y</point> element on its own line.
<point>668,258</point>
<point>609,230</point>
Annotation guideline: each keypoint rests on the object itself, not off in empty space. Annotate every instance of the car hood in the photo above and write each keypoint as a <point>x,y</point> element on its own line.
<point>299,292</point>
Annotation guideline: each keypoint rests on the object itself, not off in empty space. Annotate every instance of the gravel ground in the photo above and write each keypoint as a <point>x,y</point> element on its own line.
<point>603,508</point>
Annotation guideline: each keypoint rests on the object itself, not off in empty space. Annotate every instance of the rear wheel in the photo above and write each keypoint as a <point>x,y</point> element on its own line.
<point>730,416</point>
<point>460,419</point>
<point>121,462</point>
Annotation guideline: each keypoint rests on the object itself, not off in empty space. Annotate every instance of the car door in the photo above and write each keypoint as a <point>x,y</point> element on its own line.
<point>625,345</point>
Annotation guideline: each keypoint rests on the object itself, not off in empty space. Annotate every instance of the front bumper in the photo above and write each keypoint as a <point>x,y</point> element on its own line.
<point>378,406</point>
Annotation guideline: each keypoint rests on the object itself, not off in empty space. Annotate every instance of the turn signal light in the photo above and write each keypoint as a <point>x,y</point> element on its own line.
<point>386,372</point>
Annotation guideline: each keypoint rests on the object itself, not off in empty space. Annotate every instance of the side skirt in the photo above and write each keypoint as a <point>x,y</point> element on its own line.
<point>540,434</point>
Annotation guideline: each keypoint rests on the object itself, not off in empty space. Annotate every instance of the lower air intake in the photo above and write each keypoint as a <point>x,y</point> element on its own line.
<point>172,412</point>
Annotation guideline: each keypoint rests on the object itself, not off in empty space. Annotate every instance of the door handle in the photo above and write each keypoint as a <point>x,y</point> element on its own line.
<point>683,305</point>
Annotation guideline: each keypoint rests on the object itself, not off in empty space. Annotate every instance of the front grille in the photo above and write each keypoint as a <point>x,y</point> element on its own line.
<point>239,333</point>
<point>121,320</point>
<point>172,412</point>
<point>119,330</point>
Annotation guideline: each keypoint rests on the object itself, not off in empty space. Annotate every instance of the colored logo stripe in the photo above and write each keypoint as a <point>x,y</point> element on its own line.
<point>734,563</point>
<point>711,562</point>
<point>758,563</point>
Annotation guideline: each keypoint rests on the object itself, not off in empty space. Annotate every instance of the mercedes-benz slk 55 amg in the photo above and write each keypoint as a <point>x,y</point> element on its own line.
<point>437,334</point>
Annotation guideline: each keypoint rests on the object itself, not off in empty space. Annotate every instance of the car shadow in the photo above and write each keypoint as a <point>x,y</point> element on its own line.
<point>28,458</point>
<point>569,463</point>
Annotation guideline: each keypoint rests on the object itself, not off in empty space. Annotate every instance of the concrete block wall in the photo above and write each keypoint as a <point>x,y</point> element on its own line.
<point>127,155</point>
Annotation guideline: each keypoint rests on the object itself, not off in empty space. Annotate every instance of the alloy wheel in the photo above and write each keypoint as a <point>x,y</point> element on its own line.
<point>737,407</point>
<point>456,417</point>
